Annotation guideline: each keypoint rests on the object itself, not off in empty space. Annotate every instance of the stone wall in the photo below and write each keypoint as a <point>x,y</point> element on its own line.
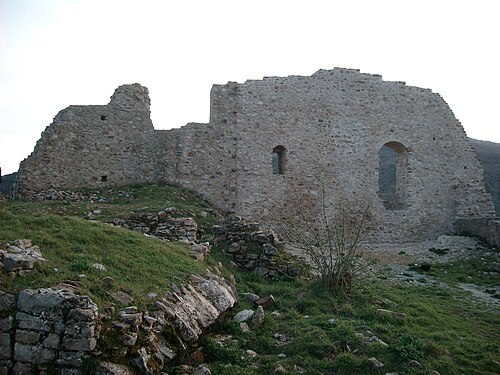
<point>44,329</point>
<point>487,229</point>
<point>327,130</point>
<point>332,126</point>
<point>92,146</point>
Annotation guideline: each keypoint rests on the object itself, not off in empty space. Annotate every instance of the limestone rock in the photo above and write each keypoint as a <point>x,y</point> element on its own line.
<point>20,257</point>
<point>122,297</point>
<point>266,301</point>
<point>108,368</point>
<point>7,301</point>
<point>375,362</point>
<point>197,305</point>
<point>202,370</point>
<point>251,297</point>
<point>243,315</point>
<point>258,317</point>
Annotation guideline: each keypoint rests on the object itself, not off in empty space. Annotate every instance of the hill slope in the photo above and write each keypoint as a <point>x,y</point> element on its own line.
<point>489,155</point>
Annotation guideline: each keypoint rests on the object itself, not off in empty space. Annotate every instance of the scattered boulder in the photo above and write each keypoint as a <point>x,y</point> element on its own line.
<point>202,370</point>
<point>99,267</point>
<point>250,353</point>
<point>375,362</point>
<point>199,251</point>
<point>243,316</point>
<point>266,301</point>
<point>244,327</point>
<point>251,297</point>
<point>280,369</point>
<point>258,317</point>
<point>122,297</point>
<point>20,257</point>
<point>414,363</point>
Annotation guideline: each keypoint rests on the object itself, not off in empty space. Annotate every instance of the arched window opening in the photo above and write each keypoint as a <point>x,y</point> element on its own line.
<point>392,175</point>
<point>279,160</point>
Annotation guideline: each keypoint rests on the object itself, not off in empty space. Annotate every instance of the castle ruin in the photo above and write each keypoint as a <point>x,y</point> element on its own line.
<point>398,147</point>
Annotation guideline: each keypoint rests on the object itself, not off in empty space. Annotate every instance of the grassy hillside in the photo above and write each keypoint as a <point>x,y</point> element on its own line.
<point>310,331</point>
<point>71,244</point>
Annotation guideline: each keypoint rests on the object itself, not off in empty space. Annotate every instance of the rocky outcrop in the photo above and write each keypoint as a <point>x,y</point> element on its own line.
<point>46,328</point>
<point>252,248</point>
<point>151,339</point>
<point>20,257</point>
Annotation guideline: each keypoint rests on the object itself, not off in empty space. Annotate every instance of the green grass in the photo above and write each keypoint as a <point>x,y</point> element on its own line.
<point>443,330</point>
<point>480,270</point>
<point>71,245</point>
<point>125,201</point>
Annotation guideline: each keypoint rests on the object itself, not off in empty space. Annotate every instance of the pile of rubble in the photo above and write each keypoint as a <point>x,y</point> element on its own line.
<point>252,248</point>
<point>68,196</point>
<point>162,225</point>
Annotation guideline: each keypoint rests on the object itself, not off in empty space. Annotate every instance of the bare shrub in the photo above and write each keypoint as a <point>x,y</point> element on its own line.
<point>331,236</point>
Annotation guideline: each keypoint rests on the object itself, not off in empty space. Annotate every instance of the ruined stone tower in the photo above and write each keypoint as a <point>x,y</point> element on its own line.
<point>397,147</point>
<point>88,146</point>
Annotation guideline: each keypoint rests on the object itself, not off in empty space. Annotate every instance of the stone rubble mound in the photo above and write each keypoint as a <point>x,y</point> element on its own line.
<point>67,196</point>
<point>251,247</point>
<point>19,258</point>
<point>162,225</point>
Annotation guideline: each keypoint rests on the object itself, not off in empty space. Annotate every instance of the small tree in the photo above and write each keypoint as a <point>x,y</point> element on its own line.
<point>332,238</point>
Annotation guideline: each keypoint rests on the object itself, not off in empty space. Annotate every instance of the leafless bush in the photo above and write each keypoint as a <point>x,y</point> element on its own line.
<point>332,237</point>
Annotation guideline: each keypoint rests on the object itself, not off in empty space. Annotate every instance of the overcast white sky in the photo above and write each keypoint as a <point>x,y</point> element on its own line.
<point>54,53</point>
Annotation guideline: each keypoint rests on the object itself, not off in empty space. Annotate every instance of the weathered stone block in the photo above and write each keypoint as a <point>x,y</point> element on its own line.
<point>51,341</point>
<point>30,322</point>
<point>80,330</point>
<point>27,337</point>
<point>84,315</point>
<point>21,368</point>
<point>83,344</point>
<point>38,301</point>
<point>6,324</point>
<point>5,346</point>
<point>7,301</point>
<point>33,354</point>
<point>70,359</point>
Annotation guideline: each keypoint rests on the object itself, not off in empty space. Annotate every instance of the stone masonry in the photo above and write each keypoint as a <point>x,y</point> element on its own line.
<point>91,146</point>
<point>338,128</point>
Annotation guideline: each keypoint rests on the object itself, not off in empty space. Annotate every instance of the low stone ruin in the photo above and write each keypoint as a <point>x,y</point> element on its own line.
<point>252,248</point>
<point>20,257</point>
<point>46,328</point>
<point>162,225</point>
<point>52,194</point>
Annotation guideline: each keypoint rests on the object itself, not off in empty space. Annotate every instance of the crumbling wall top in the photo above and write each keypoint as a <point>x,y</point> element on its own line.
<point>131,97</point>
